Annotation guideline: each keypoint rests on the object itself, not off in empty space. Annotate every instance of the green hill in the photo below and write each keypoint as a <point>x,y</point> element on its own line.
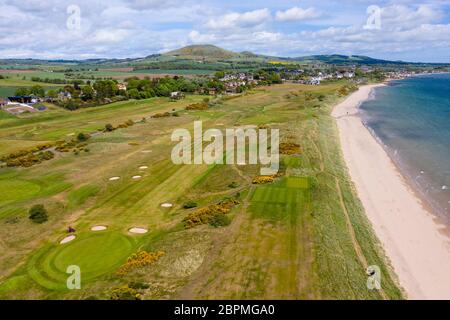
<point>343,59</point>
<point>199,52</point>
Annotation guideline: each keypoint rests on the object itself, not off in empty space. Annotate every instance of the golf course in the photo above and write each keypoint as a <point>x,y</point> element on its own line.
<point>137,225</point>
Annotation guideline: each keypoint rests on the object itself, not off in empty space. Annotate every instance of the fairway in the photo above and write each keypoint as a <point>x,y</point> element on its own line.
<point>15,190</point>
<point>95,254</point>
<point>287,239</point>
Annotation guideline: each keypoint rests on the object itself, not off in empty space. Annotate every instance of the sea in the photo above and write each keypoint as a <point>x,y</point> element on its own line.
<point>411,119</point>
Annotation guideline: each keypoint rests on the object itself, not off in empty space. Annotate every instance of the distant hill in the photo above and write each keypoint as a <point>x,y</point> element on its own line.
<point>343,59</point>
<point>211,57</point>
<point>199,52</point>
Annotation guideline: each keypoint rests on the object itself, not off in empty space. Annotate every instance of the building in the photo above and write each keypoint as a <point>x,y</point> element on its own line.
<point>23,99</point>
<point>122,86</point>
<point>63,96</point>
<point>3,102</point>
<point>176,95</point>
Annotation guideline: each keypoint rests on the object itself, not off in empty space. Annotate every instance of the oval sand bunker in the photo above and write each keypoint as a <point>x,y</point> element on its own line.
<point>114,178</point>
<point>137,177</point>
<point>138,230</point>
<point>67,239</point>
<point>167,205</point>
<point>143,167</point>
<point>98,228</point>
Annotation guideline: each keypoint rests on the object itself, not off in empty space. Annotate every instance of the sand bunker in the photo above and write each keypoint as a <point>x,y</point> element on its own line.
<point>137,177</point>
<point>146,151</point>
<point>167,205</point>
<point>138,230</point>
<point>67,239</point>
<point>98,228</point>
<point>143,167</point>
<point>114,178</point>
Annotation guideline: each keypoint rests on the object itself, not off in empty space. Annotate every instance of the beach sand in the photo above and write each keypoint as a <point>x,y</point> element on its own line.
<point>415,243</point>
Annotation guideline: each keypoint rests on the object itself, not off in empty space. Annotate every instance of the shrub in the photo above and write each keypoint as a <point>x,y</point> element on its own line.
<point>263,179</point>
<point>83,137</point>
<point>161,115</point>
<point>138,285</point>
<point>204,215</point>
<point>289,148</point>
<point>125,293</point>
<point>197,106</point>
<point>38,213</point>
<point>233,185</point>
<point>220,220</point>
<point>109,127</point>
<point>139,260</point>
<point>189,205</point>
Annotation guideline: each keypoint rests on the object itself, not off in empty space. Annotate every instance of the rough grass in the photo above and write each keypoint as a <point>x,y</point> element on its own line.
<point>288,239</point>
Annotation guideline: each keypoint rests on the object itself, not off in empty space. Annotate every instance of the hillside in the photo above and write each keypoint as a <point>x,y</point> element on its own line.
<point>343,59</point>
<point>208,52</point>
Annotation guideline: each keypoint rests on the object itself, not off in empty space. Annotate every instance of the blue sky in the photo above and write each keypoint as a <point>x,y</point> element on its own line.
<point>407,30</point>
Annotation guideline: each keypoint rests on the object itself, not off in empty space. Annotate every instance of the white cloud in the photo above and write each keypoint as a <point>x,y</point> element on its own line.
<point>196,37</point>
<point>246,19</point>
<point>133,28</point>
<point>297,14</point>
<point>403,17</point>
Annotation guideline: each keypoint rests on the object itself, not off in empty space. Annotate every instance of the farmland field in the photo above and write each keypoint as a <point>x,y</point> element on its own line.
<point>288,239</point>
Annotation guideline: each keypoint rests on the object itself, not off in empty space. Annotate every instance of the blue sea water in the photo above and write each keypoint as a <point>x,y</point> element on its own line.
<point>411,118</point>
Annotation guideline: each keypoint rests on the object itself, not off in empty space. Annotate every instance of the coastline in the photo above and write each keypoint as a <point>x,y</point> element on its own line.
<point>415,243</point>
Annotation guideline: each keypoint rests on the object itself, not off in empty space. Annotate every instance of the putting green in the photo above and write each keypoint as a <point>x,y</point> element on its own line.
<point>95,254</point>
<point>14,190</point>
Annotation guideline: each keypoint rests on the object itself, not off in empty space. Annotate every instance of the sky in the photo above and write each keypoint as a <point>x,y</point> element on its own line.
<point>416,31</point>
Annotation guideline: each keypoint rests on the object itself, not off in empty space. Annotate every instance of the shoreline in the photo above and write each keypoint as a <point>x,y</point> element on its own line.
<point>414,242</point>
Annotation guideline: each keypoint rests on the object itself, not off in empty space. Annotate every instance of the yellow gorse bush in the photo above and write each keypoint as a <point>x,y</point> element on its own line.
<point>204,215</point>
<point>139,260</point>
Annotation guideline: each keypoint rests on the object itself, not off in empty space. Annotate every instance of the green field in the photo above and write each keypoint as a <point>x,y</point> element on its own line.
<point>304,236</point>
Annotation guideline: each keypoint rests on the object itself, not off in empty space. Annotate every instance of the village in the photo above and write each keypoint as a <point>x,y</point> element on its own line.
<point>227,83</point>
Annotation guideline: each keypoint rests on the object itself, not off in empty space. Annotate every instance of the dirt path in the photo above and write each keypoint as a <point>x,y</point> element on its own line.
<point>359,253</point>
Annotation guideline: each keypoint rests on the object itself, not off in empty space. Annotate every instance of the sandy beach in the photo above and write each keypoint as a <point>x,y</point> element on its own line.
<point>415,243</point>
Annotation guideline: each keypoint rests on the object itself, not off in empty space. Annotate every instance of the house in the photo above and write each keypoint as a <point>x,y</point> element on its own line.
<point>176,95</point>
<point>348,74</point>
<point>64,96</point>
<point>122,86</point>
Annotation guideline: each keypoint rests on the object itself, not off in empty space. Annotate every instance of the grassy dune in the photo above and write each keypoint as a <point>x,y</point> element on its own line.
<point>303,236</point>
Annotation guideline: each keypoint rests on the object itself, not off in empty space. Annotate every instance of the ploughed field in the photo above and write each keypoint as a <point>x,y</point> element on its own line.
<point>302,235</point>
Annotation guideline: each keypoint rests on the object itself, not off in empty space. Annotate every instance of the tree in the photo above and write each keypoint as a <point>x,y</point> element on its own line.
<point>219,74</point>
<point>38,213</point>
<point>106,88</point>
<point>37,91</point>
<point>88,93</point>
<point>52,94</point>
<point>133,94</point>
<point>22,92</point>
